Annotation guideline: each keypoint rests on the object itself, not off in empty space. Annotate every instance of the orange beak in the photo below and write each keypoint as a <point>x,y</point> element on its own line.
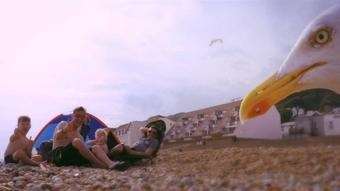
<point>272,91</point>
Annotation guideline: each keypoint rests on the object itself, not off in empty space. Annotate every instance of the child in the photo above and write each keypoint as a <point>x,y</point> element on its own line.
<point>19,148</point>
<point>101,140</point>
<point>100,149</point>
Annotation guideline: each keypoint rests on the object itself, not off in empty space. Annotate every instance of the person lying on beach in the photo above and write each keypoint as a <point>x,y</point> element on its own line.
<point>19,149</point>
<point>69,147</point>
<point>145,147</point>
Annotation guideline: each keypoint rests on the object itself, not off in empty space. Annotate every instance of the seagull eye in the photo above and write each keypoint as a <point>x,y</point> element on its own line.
<point>321,37</point>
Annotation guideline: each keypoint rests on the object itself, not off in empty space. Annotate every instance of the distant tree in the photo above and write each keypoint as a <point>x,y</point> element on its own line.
<point>321,100</point>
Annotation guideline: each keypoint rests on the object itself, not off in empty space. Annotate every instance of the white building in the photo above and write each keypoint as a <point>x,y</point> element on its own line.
<point>286,128</point>
<point>331,123</point>
<point>313,123</point>
<point>129,133</point>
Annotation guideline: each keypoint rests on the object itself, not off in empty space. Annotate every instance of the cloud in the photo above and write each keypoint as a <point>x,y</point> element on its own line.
<point>59,55</point>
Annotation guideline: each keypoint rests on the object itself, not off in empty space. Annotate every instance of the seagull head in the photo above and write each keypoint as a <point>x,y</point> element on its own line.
<point>314,62</point>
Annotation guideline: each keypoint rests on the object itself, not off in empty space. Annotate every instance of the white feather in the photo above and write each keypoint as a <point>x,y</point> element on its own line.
<point>304,54</point>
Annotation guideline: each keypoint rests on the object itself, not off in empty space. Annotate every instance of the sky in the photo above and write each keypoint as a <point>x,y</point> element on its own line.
<point>129,60</point>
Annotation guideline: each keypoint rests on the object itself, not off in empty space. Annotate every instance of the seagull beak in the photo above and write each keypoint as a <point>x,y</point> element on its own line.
<point>272,91</point>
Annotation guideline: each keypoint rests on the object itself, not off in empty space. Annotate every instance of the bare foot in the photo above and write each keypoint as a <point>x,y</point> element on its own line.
<point>44,167</point>
<point>99,165</point>
<point>112,165</point>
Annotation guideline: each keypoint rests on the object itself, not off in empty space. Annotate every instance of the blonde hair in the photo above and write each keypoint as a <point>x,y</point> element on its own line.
<point>98,131</point>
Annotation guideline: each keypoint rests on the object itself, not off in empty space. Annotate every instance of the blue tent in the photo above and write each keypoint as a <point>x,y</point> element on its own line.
<point>47,132</point>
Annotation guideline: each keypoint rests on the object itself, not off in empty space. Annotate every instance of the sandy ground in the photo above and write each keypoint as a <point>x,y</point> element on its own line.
<point>312,167</point>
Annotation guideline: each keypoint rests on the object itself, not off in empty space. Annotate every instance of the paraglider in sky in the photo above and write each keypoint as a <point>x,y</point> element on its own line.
<point>214,41</point>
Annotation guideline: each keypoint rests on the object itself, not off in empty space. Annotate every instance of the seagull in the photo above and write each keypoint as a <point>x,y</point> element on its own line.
<point>212,42</point>
<point>313,62</point>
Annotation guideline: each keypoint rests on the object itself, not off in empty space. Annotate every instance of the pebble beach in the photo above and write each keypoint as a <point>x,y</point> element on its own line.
<point>315,167</point>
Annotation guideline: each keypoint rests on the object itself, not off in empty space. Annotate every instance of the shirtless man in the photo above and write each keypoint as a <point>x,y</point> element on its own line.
<point>19,149</point>
<point>68,144</point>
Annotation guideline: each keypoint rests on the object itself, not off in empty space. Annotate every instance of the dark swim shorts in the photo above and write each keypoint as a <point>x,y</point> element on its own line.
<point>10,159</point>
<point>68,156</point>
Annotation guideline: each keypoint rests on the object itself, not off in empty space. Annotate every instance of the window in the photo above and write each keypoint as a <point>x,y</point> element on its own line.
<point>200,116</point>
<point>230,130</point>
<point>219,115</point>
<point>331,125</point>
<point>205,132</point>
<point>232,120</point>
<point>218,112</point>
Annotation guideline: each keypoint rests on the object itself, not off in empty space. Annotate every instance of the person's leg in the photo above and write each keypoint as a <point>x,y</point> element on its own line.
<point>82,149</point>
<point>117,150</point>
<point>101,155</point>
<point>20,155</point>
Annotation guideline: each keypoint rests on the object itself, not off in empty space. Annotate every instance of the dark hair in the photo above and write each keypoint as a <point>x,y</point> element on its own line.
<point>24,118</point>
<point>159,126</point>
<point>81,108</point>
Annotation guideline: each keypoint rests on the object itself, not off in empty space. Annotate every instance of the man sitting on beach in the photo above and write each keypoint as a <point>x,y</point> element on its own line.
<point>69,147</point>
<point>19,149</point>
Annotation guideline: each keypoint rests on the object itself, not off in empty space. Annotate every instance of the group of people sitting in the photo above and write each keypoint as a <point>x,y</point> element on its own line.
<point>69,146</point>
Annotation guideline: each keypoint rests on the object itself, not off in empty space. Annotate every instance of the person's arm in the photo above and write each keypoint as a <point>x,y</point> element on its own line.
<point>91,142</point>
<point>61,128</point>
<point>15,136</point>
<point>29,147</point>
<point>146,154</point>
<point>149,152</point>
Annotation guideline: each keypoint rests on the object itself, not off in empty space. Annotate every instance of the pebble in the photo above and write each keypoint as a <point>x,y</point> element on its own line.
<point>56,179</point>
<point>187,181</point>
